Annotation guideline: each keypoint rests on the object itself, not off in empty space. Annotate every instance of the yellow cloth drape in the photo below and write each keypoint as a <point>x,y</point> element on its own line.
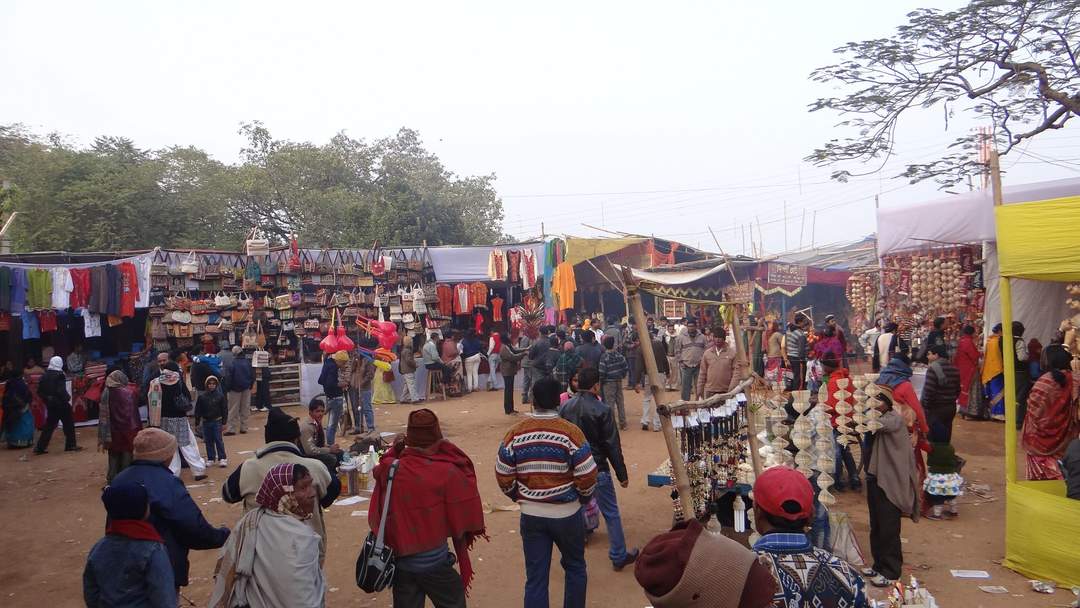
<point>1038,240</point>
<point>564,285</point>
<point>993,365</point>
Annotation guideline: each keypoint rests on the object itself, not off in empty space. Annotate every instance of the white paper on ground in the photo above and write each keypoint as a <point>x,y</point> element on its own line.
<point>351,500</point>
<point>246,452</point>
<point>970,573</point>
<point>993,589</point>
<point>358,514</point>
<point>387,433</point>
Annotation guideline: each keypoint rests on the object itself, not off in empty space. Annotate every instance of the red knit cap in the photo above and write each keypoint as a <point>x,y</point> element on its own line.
<point>423,430</point>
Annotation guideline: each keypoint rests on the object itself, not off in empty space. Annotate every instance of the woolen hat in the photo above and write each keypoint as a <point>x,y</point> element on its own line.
<point>125,501</point>
<point>423,430</point>
<point>280,426</point>
<point>154,445</point>
<point>340,356</point>
<point>782,485</point>
<point>690,566</point>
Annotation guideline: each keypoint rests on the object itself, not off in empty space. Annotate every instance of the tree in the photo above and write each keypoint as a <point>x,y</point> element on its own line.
<point>1013,63</point>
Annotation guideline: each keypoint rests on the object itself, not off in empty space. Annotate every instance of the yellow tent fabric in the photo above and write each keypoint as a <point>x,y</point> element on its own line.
<point>1038,240</point>
<point>578,250</point>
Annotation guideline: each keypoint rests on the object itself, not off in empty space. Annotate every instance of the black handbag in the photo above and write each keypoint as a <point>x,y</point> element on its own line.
<point>375,564</point>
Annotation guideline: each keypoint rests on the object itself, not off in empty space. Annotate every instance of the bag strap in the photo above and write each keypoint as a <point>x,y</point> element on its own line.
<point>385,507</point>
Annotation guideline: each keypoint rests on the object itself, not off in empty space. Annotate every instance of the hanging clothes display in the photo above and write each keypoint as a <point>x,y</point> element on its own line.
<point>142,274</point>
<point>564,285</point>
<point>478,322</point>
<point>114,289</point>
<point>5,288</point>
<point>31,329</point>
<point>91,324</point>
<point>445,293</point>
<point>99,290</point>
<point>497,265</point>
<point>47,320</point>
<point>129,289</point>
<point>61,288</point>
<point>461,299</point>
<point>39,294</point>
<point>496,309</point>
<point>513,265</point>
<point>478,293</point>
<point>528,269</point>
<point>80,287</point>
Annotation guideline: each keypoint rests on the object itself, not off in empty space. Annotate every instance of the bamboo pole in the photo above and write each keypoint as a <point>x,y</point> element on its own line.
<point>744,366</point>
<point>678,467</point>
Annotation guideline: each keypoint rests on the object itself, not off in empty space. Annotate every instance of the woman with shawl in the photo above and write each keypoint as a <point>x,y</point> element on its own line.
<point>18,429</point>
<point>118,422</point>
<point>993,375</point>
<point>170,403</point>
<point>1051,421</point>
<point>897,377</point>
<point>272,557</point>
<point>967,363</point>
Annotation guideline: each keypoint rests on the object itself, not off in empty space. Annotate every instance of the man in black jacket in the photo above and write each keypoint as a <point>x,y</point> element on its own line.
<point>52,388</point>
<point>595,420</point>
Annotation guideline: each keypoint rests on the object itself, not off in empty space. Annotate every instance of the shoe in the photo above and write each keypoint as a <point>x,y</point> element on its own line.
<point>210,463</point>
<point>229,433</point>
<point>868,572</point>
<point>623,427</point>
<point>512,413</point>
<point>933,516</point>
<point>200,477</point>
<point>356,432</point>
<point>223,463</point>
<point>243,432</point>
<point>856,487</point>
<point>881,581</point>
<point>77,448</point>
<point>644,427</point>
<point>631,557</point>
<point>38,452</point>
<point>656,430</point>
<point>840,488</point>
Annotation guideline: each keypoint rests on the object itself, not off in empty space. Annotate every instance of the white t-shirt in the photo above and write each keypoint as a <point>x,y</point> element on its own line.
<point>142,273</point>
<point>62,287</point>
<point>92,324</point>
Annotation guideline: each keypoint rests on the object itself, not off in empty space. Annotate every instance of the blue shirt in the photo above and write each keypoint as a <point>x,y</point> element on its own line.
<point>122,571</point>
<point>808,576</point>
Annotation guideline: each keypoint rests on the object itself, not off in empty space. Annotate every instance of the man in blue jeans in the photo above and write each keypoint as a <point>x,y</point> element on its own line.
<point>597,423</point>
<point>545,464</point>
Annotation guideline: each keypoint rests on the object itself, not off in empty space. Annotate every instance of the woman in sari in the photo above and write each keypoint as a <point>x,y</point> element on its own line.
<point>1051,422</point>
<point>993,375</point>
<point>271,559</point>
<point>18,428</point>
<point>967,363</point>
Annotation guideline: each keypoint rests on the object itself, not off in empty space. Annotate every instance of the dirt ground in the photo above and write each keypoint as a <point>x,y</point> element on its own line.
<point>52,515</point>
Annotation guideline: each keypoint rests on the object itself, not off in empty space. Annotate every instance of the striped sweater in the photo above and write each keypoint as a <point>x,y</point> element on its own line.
<point>545,464</point>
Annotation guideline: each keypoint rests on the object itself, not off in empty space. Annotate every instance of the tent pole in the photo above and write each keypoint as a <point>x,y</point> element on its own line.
<point>678,467</point>
<point>1009,355</point>
<point>741,359</point>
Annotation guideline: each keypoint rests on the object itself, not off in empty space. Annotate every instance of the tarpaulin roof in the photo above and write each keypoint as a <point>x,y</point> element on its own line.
<point>580,249</point>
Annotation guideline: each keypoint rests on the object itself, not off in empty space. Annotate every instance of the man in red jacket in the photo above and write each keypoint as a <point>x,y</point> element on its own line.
<point>434,497</point>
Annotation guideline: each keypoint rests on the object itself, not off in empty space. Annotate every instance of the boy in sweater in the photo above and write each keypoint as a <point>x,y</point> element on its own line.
<point>613,368</point>
<point>212,409</point>
<point>545,464</point>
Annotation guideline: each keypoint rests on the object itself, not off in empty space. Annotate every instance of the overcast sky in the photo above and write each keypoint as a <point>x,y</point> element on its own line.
<point>653,118</point>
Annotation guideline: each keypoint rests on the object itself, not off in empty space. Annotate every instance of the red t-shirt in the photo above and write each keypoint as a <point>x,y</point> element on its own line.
<point>80,293</point>
<point>129,293</point>
<point>496,309</point>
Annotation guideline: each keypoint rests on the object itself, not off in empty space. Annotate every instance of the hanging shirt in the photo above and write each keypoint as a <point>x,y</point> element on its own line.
<point>496,309</point>
<point>115,287</point>
<point>91,324</point>
<point>31,329</point>
<point>513,265</point>
<point>479,323</point>
<point>39,293</point>
<point>564,285</point>
<point>99,290</point>
<point>61,288</point>
<point>445,293</point>
<point>142,269</point>
<point>528,269</point>
<point>5,288</point>
<point>129,290</point>
<point>47,320</point>
<point>80,287</point>
<point>497,265</point>
<point>478,293</point>
<point>461,299</point>
<point>18,290</point>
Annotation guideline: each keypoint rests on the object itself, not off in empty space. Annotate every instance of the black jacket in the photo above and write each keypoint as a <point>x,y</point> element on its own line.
<point>594,419</point>
<point>52,388</point>
<point>212,405</point>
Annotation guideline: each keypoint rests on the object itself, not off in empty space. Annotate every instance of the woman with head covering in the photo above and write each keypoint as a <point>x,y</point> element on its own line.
<point>53,391</point>
<point>993,375</point>
<point>272,557</point>
<point>18,429</point>
<point>966,361</point>
<point>170,402</point>
<point>1051,421</point>
<point>118,422</point>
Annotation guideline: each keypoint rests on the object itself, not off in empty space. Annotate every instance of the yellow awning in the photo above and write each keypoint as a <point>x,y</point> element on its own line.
<point>578,250</point>
<point>1038,240</point>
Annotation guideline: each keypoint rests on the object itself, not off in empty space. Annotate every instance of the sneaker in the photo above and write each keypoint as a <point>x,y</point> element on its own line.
<point>230,433</point>
<point>200,477</point>
<point>644,427</point>
<point>38,452</point>
<point>868,572</point>
<point>210,463</point>
<point>243,431</point>
<point>223,463</point>
<point>881,581</point>
<point>631,557</point>
<point>77,448</point>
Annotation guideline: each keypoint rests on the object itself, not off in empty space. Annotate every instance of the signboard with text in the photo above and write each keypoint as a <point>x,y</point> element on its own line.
<point>787,275</point>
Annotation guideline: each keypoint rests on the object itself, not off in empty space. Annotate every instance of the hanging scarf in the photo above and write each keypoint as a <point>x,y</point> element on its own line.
<point>116,379</point>
<point>276,492</point>
<point>895,373</point>
<point>153,403</point>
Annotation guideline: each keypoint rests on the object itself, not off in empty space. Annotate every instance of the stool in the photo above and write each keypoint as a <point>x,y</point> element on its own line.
<point>435,383</point>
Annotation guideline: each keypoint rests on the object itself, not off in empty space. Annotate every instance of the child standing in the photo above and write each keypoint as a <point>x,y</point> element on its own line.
<point>943,482</point>
<point>213,409</point>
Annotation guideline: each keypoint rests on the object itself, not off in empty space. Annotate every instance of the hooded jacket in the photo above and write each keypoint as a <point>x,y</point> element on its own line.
<point>212,404</point>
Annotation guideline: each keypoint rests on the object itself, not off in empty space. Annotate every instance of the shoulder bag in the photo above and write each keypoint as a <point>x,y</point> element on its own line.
<point>375,564</point>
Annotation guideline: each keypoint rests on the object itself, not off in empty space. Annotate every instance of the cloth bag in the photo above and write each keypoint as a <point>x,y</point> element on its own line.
<point>375,564</point>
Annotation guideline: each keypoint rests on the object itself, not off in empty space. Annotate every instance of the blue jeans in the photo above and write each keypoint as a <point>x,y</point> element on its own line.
<point>335,408</point>
<point>215,445</point>
<point>844,458</point>
<point>365,410</point>
<point>689,379</point>
<point>537,536</point>
<point>609,508</point>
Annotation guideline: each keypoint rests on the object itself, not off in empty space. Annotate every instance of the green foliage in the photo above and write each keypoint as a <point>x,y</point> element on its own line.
<point>344,193</point>
<point>1013,63</point>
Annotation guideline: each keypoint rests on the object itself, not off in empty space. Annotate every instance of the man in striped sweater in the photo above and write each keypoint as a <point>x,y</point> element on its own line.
<point>546,466</point>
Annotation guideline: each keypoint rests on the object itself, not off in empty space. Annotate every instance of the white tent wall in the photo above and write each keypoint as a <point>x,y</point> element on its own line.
<point>1039,305</point>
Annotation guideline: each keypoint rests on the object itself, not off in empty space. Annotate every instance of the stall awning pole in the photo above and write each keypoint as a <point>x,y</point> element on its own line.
<point>1009,356</point>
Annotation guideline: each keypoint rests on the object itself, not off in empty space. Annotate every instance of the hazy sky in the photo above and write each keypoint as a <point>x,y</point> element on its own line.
<point>653,118</point>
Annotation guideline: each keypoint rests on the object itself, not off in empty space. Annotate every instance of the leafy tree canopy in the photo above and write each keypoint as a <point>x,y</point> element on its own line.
<point>1013,63</point>
<point>344,193</point>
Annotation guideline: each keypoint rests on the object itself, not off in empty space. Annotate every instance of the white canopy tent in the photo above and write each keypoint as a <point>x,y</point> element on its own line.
<point>969,219</point>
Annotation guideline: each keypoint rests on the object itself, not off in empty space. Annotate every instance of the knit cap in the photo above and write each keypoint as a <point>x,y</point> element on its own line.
<point>154,445</point>
<point>125,501</point>
<point>423,430</point>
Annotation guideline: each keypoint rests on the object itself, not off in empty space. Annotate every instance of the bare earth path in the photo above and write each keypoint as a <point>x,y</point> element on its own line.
<point>52,515</point>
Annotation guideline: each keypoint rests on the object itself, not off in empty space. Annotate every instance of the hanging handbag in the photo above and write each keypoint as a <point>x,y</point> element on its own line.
<point>190,265</point>
<point>256,244</point>
<point>378,263</point>
<point>212,268</point>
<point>375,564</point>
<point>249,340</point>
<point>415,262</point>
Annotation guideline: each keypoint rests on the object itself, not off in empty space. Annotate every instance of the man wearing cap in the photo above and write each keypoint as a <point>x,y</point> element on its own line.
<point>807,576</point>
<point>282,435</point>
<point>133,548</point>
<point>434,498</point>
<point>690,566</point>
<point>241,379</point>
<point>173,514</point>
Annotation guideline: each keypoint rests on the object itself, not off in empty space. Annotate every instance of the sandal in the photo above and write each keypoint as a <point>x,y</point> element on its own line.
<point>868,572</point>
<point>881,581</point>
